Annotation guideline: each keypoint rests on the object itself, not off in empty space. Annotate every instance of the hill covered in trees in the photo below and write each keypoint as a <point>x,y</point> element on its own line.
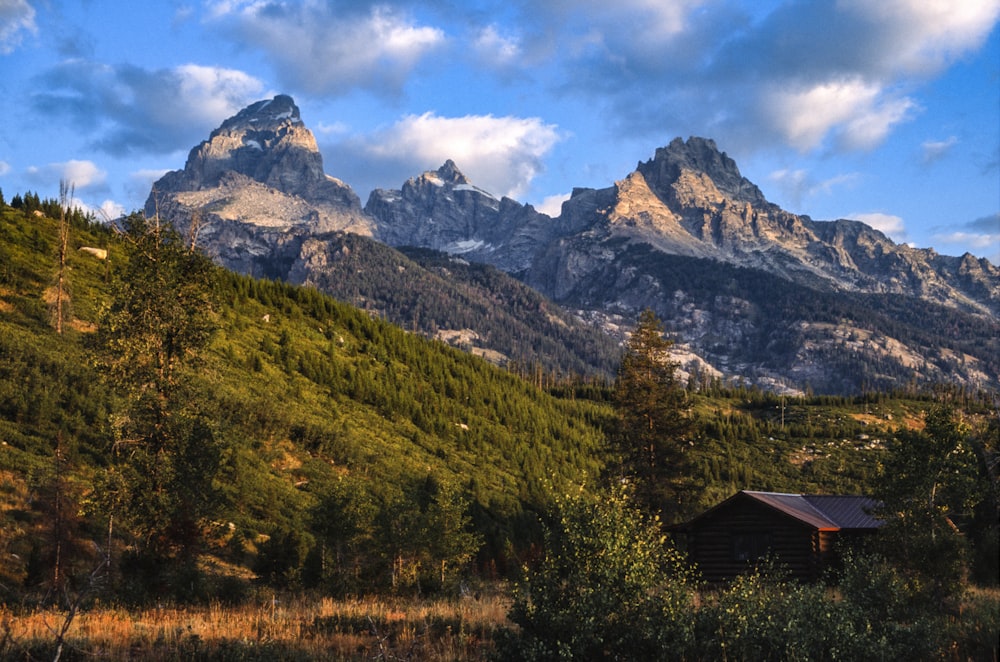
<point>197,432</point>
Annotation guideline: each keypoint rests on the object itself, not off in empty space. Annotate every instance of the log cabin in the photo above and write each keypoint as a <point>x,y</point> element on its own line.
<point>803,532</point>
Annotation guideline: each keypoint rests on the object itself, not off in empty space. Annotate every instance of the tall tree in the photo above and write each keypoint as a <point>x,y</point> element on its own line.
<point>653,418</point>
<point>930,485</point>
<point>165,452</point>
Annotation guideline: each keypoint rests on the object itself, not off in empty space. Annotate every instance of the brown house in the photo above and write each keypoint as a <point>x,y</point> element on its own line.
<point>802,531</point>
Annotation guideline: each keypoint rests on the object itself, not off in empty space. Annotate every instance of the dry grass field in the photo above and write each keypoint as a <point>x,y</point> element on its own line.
<point>326,629</point>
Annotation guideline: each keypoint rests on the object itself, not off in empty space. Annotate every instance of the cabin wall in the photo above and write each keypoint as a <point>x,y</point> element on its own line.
<point>733,539</point>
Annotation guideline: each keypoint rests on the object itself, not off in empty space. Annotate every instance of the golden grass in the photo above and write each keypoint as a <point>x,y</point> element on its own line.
<point>325,629</point>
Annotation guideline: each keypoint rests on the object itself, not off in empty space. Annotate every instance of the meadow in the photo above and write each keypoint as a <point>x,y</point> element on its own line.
<point>269,629</point>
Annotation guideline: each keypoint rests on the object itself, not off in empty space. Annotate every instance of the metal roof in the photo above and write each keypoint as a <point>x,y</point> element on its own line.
<point>823,511</point>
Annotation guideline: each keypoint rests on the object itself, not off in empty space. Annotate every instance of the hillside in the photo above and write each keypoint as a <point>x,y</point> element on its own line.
<point>335,433</point>
<point>475,307</point>
<point>310,396</point>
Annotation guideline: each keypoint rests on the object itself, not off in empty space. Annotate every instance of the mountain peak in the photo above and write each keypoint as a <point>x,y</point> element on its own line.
<point>266,113</point>
<point>699,155</point>
<point>260,167</point>
<point>450,173</point>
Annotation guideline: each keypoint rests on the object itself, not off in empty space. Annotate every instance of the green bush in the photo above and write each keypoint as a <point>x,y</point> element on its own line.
<point>608,587</point>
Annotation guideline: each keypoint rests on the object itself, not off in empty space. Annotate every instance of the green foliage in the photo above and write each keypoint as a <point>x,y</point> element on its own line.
<point>653,421</point>
<point>421,529</point>
<point>165,454</point>
<point>766,616</point>
<point>931,481</point>
<point>325,447</point>
<point>608,587</point>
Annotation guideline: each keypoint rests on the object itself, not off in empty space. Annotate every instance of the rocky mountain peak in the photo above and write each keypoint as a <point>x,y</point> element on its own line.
<point>268,143</point>
<point>450,174</point>
<point>268,113</point>
<point>259,171</point>
<point>700,156</point>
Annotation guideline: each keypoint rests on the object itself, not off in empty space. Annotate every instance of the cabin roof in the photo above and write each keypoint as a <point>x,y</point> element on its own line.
<point>825,512</point>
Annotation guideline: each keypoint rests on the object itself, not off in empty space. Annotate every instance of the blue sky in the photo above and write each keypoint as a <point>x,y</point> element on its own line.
<point>885,111</point>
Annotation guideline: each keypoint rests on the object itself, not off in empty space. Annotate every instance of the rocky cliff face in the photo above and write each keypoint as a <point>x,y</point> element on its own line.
<point>691,200</point>
<point>443,210</point>
<point>257,177</point>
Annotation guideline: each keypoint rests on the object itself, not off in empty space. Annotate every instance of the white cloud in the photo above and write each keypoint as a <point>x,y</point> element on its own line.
<point>797,186</point>
<point>16,18</point>
<point>499,154</point>
<point>970,238</point>
<point>552,205</point>
<point>79,174</point>
<point>981,235</point>
<point>496,50</point>
<point>833,75</point>
<point>108,210</point>
<point>326,49</point>
<point>207,95</point>
<point>144,110</point>
<point>934,150</point>
<point>806,116</point>
<point>888,224</point>
<point>922,36</point>
<point>4,167</point>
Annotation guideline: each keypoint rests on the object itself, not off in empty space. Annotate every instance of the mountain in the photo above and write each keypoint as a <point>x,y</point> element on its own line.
<point>469,305</point>
<point>443,210</point>
<point>255,182</point>
<point>747,289</point>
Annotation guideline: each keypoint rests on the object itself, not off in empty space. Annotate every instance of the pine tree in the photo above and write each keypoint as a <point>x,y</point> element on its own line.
<point>653,417</point>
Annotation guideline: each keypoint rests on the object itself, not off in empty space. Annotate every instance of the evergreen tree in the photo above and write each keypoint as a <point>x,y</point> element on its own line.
<point>653,418</point>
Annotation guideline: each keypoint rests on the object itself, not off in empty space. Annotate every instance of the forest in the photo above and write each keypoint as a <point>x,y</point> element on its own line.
<point>174,436</point>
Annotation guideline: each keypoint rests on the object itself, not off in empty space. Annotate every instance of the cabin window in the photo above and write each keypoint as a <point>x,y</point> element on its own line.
<point>751,546</point>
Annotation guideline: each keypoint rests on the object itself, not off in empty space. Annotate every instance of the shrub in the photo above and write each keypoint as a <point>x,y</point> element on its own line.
<point>608,587</point>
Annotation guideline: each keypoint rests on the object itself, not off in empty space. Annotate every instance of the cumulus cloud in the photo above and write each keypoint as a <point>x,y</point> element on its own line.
<point>552,205</point>
<point>888,224</point>
<point>496,50</point>
<point>812,75</point>
<point>4,167</point>
<point>108,210</point>
<point>79,174</point>
<point>131,109</point>
<point>323,48</point>
<point>17,17</point>
<point>499,154</point>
